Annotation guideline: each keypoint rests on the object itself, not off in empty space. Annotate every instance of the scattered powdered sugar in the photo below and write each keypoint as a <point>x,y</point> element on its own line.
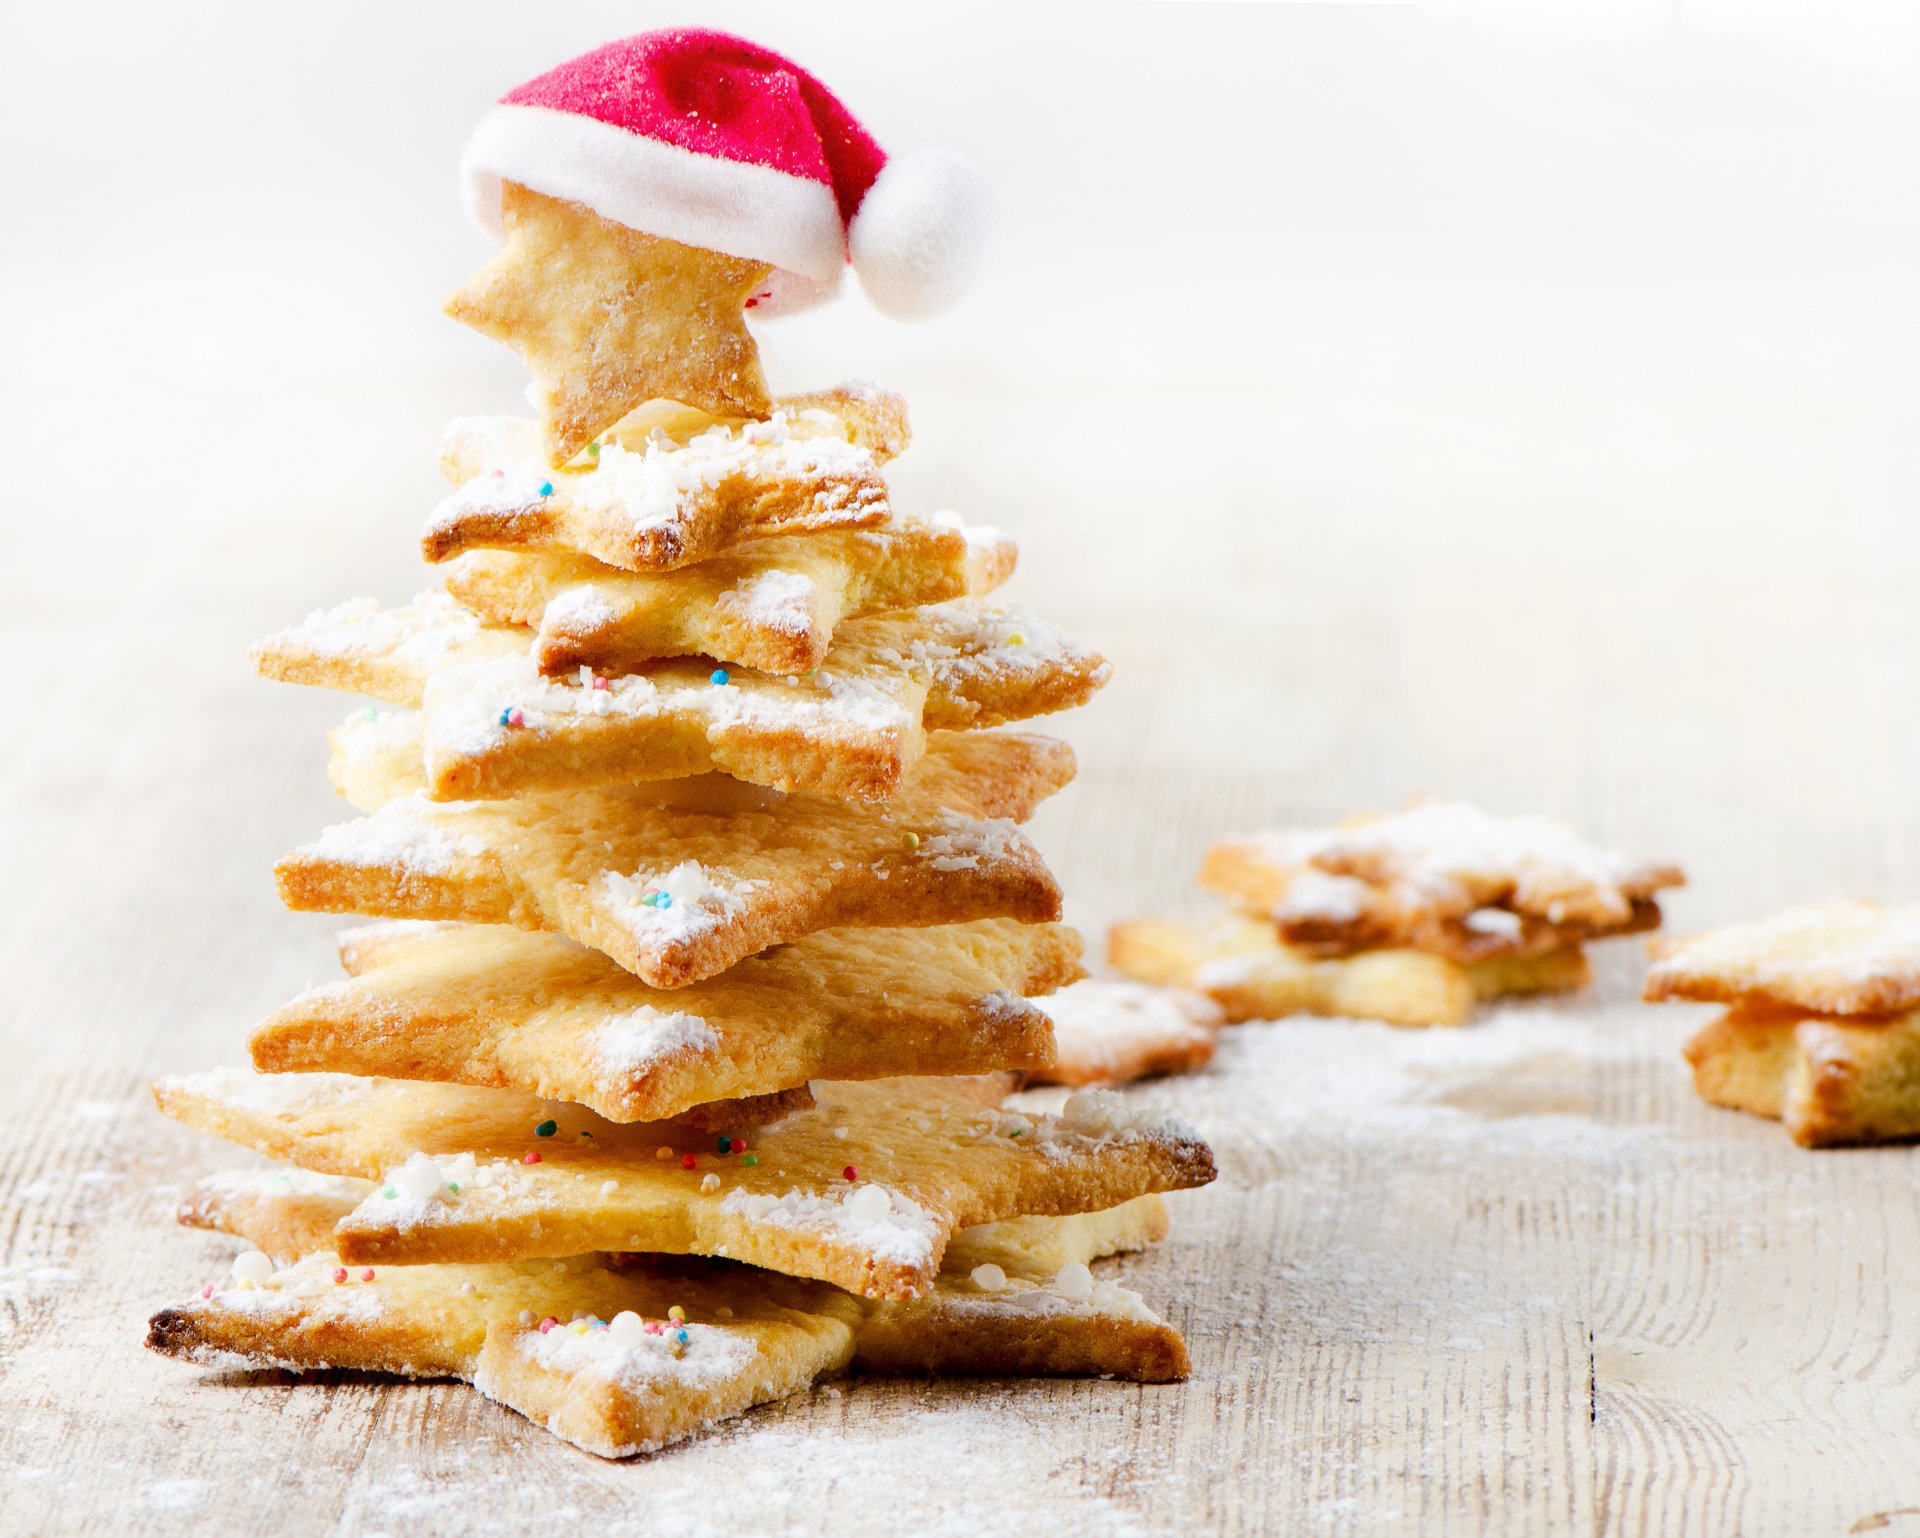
<point>1442,850</point>
<point>652,486</point>
<point>1031,1300</point>
<point>901,1230</point>
<point>634,1042</point>
<point>695,902</point>
<point>403,835</point>
<point>465,705</point>
<point>1315,894</point>
<point>1099,1020</point>
<point>968,841</point>
<point>1494,921</point>
<point>307,1286</point>
<point>422,634</point>
<point>421,1186</point>
<point>289,1181</point>
<point>271,1094</point>
<point>583,609</point>
<point>711,1354</point>
<point>780,601</point>
<point>175,1495</point>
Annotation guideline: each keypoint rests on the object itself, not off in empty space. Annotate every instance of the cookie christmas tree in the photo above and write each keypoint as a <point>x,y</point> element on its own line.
<point>674,1075</point>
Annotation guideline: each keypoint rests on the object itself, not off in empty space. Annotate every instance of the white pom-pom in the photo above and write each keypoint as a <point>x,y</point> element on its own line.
<point>920,235</point>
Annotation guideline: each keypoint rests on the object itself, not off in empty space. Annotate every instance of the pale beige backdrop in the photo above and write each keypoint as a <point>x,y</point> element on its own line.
<point>1517,405</point>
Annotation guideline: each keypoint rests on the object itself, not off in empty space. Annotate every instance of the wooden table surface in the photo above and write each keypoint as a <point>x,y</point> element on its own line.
<point>1509,1278</point>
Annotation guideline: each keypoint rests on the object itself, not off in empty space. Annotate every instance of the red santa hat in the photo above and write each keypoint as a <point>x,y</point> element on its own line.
<point>716,142</point>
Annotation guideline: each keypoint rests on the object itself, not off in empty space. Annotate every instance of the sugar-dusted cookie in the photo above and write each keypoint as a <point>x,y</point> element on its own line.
<point>676,888</point>
<point>1832,1081</point>
<point>479,1004</point>
<point>493,727</point>
<point>1013,1297</point>
<point>606,318</point>
<point>1110,1032</point>
<point>1017,1298</point>
<point>863,1190</point>
<point>1440,876</point>
<point>771,604</point>
<point>652,1376</point>
<point>1241,964</point>
<point>669,487</point>
<point>1841,957</point>
<point>619,1386</point>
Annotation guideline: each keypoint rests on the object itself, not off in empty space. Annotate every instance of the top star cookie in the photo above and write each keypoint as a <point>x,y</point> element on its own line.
<point>1835,958</point>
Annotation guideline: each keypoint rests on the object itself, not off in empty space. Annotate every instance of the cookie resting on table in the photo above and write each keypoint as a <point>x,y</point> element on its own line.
<point>670,487</point>
<point>479,1004</point>
<point>1841,957</point>
<point>607,318</point>
<point>1832,1080</point>
<point>493,727</point>
<point>621,1355</point>
<point>771,605</point>
<point>1242,965</point>
<point>863,1190</point>
<point>1110,1032</point>
<point>681,880</point>
<point>1440,876</point>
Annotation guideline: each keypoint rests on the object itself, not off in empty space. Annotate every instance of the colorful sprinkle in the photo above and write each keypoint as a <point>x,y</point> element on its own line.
<point>367,1275</point>
<point>547,1324</point>
<point>207,1291</point>
<point>371,713</point>
<point>751,1159</point>
<point>339,1275</point>
<point>546,1129</point>
<point>601,683</point>
<point>546,488</point>
<point>677,1314</point>
<point>1016,639</point>
<point>584,1136</point>
<point>851,1173</point>
<point>912,841</point>
<point>654,1327</point>
<point>681,1336</point>
<point>719,676</point>
<point>390,1194</point>
<point>593,448</point>
<point>531,1156</point>
<point>663,1152</point>
<point>512,716</point>
<point>688,1161</point>
<point>724,1144</point>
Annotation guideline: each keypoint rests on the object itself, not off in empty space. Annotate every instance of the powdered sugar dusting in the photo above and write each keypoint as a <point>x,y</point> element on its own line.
<point>404,834</point>
<point>710,1355</point>
<point>634,1042</point>
<point>783,602</point>
<point>650,487</point>
<point>422,634</point>
<point>902,1231</point>
<point>695,902</point>
<point>1100,1021</point>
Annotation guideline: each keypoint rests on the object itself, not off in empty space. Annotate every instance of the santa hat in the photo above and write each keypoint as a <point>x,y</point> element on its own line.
<point>716,142</point>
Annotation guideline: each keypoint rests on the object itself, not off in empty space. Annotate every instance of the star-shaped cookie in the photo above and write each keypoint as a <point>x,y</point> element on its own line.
<point>608,318</point>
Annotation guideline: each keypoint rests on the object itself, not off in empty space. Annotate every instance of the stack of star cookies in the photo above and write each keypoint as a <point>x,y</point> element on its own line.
<point>1822,1025</point>
<point>1411,917</point>
<point>674,1073</point>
